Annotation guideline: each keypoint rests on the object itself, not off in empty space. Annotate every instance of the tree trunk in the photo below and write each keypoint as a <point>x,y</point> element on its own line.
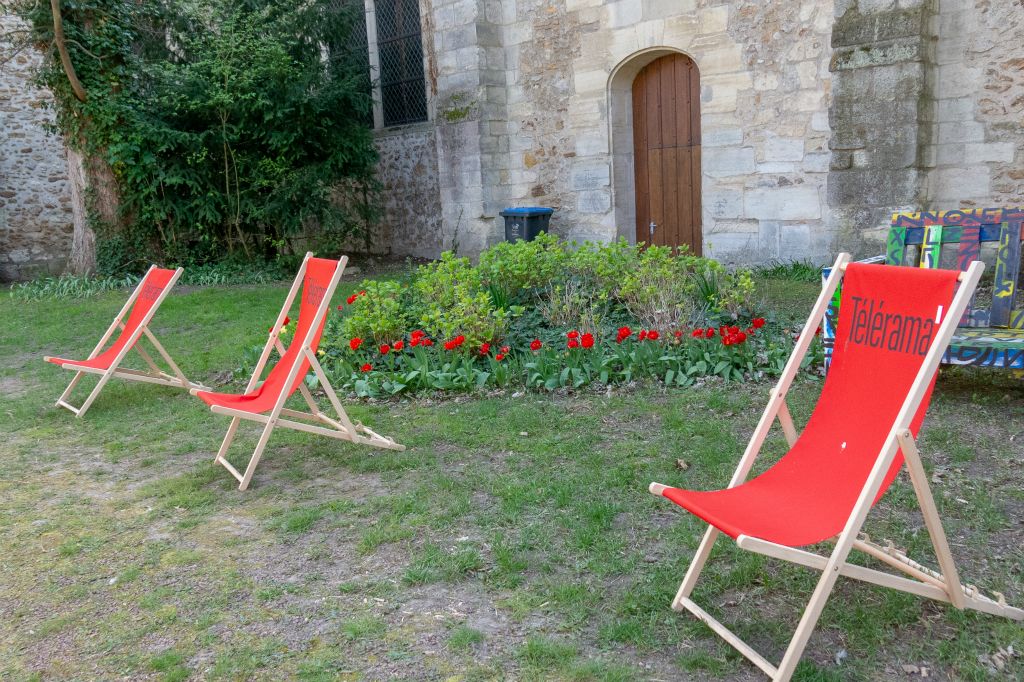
<point>83,241</point>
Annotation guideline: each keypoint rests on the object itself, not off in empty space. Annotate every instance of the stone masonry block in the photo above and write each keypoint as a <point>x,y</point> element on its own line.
<point>782,203</point>
<point>723,204</point>
<point>726,161</point>
<point>659,9</point>
<point>593,201</point>
<point>714,19</point>
<point>953,185</point>
<point>624,13</point>
<point>988,152</point>
<point>783,148</point>
<point>591,176</point>
<point>722,137</point>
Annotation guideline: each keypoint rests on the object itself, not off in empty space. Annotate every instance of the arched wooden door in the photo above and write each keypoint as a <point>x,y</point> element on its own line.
<point>666,143</point>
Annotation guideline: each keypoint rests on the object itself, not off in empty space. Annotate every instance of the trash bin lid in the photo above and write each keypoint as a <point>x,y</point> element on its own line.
<point>527,211</point>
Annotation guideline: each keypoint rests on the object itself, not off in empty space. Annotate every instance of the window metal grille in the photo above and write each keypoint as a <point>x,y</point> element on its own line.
<point>400,46</point>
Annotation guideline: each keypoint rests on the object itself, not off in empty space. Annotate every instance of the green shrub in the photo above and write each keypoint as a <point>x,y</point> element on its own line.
<point>381,313</point>
<point>659,291</point>
<point>604,266</point>
<point>445,280</point>
<point>472,315</point>
<point>514,270</point>
<point>573,304</point>
<point>452,301</point>
<point>721,291</point>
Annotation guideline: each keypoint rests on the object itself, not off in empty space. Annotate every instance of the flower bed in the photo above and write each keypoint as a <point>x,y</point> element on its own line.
<point>547,315</point>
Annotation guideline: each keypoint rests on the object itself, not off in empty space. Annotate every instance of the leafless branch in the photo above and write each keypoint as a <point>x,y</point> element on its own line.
<point>62,48</point>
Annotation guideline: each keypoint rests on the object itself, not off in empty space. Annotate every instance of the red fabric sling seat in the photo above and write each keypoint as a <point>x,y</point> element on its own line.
<point>319,272</point>
<point>150,288</point>
<point>888,318</point>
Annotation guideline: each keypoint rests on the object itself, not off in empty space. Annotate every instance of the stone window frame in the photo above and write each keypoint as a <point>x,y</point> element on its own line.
<point>373,49</point>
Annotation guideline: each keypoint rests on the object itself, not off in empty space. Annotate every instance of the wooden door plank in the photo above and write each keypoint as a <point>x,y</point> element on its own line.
<point>684,193</point>
<point>668,102</point>
<point>657,200</point>
<point>670,229</point>
<point>652,89</point>
<point>694,102</point>
<point>696,207</point>
<point>640,176</point>
<point>681,69</point>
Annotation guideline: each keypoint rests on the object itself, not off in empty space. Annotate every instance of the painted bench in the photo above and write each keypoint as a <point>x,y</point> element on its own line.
<point>991,331</point>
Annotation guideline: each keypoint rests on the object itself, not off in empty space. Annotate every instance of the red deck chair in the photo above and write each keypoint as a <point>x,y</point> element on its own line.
<point>894,324</point>
<point>143,304</point>
<point>265,403</point>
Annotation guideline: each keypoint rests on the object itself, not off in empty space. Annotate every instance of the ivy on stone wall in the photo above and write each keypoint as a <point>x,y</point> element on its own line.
<point>233,127</point>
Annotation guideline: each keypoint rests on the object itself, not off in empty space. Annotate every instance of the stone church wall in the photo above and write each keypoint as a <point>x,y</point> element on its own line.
<point>765,96</point>
<point>35,197</point>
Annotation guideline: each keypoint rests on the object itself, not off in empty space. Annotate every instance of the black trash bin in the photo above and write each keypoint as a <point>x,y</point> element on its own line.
<point>525,223</point>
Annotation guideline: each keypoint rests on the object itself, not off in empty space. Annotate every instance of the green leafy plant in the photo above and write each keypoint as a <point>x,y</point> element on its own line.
<point>519,269</point>
<point>658,291</point>
<point>377,312</point>
<point>223,127</point>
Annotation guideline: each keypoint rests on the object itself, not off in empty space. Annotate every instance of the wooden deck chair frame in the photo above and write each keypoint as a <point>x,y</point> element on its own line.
<point>943,585</point>
<point>341,428</point>
<point>154,376</point>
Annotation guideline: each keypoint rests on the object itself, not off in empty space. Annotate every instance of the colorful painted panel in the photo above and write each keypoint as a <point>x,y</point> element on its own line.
<point>968,252</point>
<point>931,250</point>
<point>895,245</point>
<point>1006,274</point>
<point>987,348</point>
<point>970,216</point>
<point>985,338</point>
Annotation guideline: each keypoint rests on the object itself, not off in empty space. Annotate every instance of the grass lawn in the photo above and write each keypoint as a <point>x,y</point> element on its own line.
<point>514,539</point>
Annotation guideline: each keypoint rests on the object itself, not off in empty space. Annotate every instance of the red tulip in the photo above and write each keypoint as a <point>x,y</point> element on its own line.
<point>757,322</point>
<point>385,349</point>
<point>355,343</point>
<point>587,340</point>
<point>573,343</point>
<point>366,368</point>
<point>535,344</point>
<point>652,335</point>
<point>398,345</point>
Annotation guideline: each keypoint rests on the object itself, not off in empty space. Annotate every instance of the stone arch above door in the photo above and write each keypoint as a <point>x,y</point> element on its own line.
<point>685,182</point>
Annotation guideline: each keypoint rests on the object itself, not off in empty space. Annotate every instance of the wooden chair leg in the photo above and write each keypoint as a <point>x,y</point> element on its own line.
<point>696,566</point>
<point>251,469</point>
<point>67,391</point>
<point>228,437</point>
<point>95,392</point>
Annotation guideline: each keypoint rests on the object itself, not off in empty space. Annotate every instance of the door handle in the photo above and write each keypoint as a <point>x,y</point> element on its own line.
<point>651,229</point>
